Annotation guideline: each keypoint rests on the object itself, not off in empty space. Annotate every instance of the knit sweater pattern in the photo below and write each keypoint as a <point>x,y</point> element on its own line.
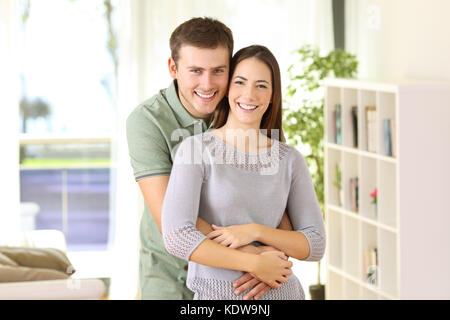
<point>225,186</point>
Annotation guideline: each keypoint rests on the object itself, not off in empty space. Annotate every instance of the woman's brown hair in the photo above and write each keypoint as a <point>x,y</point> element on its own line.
<point>271,119</point>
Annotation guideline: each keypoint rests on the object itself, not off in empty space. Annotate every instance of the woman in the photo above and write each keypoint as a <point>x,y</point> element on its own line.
<point>241,178</point>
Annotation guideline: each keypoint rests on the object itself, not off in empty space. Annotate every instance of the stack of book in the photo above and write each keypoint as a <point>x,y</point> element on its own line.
<point>371,264</point>
<point>371,128</point>
<point>354,193</point>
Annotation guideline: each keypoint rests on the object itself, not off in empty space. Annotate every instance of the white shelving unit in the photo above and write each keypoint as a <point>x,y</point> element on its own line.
<point>410,226</point>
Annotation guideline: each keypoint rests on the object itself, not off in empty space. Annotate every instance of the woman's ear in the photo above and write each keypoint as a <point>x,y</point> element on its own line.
<point>172,68</point>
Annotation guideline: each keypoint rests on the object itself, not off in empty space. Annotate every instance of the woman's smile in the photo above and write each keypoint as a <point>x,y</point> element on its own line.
<point>246,107</point>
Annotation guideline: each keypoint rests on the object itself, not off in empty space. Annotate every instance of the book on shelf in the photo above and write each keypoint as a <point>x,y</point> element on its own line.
<point>371,128</point>
<point>387,137</point>
<point>354,193</point>
<point>355,126</point>
<point>371,264</point>
<point>393,138</point>
<point>338,123</point>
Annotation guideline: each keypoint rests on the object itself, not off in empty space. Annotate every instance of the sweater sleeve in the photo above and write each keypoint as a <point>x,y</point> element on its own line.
<point>303,208</point>
<point>182,199</point>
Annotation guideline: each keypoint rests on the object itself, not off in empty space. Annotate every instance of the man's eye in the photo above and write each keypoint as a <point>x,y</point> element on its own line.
<point>195,71</point>
<point>218,71</point>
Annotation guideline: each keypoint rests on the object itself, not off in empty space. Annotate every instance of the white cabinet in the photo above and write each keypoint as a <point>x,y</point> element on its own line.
<point>400,247</point>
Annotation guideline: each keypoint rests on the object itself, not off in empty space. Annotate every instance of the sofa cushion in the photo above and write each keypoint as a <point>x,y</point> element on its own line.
<point>20,274</point>
<point>47,258</point>
<point>4,260</point>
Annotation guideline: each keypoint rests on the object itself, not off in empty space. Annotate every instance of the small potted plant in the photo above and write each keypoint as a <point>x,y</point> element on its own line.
<point>373,195</point>
<point>338,184</point>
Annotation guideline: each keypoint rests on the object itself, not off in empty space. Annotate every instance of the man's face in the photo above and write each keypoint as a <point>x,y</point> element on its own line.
<point>202,77</point>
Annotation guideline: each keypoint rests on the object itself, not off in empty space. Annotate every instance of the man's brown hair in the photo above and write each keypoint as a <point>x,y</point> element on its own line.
<point>203,33</point>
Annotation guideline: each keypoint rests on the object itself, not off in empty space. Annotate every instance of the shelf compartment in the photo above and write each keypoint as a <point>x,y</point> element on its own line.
<point>350,172</point>
<point>332,98</point>
<point>386,102</point>
<point>351,290</point>
<point>367,294</point>
<point>367,184</point>
<point>387,193</point>
<point>369,240</point>
<point>334,221</point>
<point>351,251</point>
<point>349,100</point>
<point>365,98</point>
<point>333,195</point>
<point>335,286</point>
<point>388,262</point>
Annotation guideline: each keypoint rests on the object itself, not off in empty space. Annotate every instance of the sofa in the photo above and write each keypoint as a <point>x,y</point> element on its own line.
<point>34,266</point>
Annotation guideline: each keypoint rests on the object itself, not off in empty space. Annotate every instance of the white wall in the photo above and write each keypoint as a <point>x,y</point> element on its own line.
<point>281,25</point>
<point>412,40</point>
<point>9,122</point>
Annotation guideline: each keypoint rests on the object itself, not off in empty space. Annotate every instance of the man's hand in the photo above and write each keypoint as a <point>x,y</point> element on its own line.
<point>248,281</point>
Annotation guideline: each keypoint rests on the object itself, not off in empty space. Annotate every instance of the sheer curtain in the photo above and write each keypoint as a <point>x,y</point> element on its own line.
<point>9,121</point>
<point>145,28</point>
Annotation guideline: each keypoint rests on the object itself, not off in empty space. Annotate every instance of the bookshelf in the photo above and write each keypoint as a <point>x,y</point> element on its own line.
<point>400,247</point>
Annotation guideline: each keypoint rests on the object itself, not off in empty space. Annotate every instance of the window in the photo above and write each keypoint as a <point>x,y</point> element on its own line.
<point>67,117</point>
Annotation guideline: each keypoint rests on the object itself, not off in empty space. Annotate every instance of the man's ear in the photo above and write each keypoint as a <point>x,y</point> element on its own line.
<point>172,68</point>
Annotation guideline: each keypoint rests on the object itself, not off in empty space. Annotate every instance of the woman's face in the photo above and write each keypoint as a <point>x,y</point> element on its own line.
<point>250,92</point>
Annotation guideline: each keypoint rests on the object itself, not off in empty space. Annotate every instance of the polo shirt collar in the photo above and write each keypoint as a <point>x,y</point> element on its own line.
<point>181,113</point>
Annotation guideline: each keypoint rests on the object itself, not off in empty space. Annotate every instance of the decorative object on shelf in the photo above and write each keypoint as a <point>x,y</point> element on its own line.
<point>373,195</point>
<point>371,264</point>
<point>338,184</point>
<point>354,193</point>
<point>303,119</point>
<point>371,128</point>
<point>355,126</point>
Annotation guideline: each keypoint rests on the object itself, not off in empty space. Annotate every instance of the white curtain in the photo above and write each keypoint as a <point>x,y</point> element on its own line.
<point>9,121</point>
<point>145,28</point>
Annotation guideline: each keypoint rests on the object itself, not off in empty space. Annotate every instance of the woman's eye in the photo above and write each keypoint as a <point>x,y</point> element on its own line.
<point>238,82</point>
<point>262,86</point>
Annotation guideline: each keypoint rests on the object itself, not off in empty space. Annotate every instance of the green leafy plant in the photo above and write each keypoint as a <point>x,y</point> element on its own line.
<point>337,177</point>
<point>303,113</point>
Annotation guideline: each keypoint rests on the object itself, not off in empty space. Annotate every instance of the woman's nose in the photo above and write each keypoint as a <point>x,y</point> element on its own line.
<point>249,92</point>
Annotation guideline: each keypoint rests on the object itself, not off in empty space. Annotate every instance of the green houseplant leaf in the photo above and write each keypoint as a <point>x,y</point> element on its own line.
<point>303,111</point>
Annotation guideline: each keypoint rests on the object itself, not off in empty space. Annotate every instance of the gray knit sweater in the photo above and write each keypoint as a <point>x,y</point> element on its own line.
<point>224,186</point>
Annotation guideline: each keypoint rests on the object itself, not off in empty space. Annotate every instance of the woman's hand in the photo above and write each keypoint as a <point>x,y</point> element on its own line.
<point>256,287</point>
<point>233,236</point>
<point>272,268</point>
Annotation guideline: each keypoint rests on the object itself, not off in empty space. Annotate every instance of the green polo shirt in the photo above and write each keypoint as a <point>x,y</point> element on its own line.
<point>154,130</point>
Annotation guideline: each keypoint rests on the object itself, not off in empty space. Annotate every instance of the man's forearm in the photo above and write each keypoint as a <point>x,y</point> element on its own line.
<point>203,226</point>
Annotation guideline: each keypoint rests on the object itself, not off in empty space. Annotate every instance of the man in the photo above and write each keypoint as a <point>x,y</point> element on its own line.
<point>201,50</point>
